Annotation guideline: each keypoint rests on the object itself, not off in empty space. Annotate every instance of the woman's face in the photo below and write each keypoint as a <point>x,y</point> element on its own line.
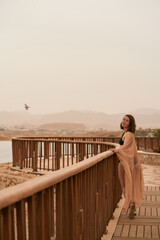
<point>125,122</point>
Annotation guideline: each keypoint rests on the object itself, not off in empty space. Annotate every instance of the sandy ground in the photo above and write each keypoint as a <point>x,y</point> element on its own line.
<point>10,177</point>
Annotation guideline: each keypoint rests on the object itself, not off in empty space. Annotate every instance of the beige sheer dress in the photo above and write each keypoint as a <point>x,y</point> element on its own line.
<point>134,183</point>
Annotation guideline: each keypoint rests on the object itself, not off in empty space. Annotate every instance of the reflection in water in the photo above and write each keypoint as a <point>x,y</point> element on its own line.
<point>5,151</point>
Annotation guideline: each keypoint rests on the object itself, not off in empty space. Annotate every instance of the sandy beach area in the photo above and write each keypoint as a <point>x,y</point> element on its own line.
<point>10,176</point>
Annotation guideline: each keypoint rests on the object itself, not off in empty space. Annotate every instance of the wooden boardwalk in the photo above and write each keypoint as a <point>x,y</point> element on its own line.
<point>146,225</point>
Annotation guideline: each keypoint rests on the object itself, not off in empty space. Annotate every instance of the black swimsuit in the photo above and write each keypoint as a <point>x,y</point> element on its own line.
<point>121,142</point>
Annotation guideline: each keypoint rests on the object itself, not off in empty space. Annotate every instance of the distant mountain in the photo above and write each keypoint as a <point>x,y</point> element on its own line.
<point>64,126</point>
<point>88,118</point>
<point>16,118</point>
<point>145,118</point>
<point>146,111</point>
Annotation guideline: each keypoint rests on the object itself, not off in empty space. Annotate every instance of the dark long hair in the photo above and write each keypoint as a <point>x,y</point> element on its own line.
<point>132,124</point>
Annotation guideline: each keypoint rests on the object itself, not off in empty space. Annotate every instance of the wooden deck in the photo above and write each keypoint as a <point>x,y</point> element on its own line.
<point>146,225</point>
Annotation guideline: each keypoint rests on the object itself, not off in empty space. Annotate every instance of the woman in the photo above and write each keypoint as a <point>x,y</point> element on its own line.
<point>129,169</point>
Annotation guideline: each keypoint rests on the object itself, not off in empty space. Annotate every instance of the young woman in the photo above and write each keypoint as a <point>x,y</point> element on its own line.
<point>129,169</point>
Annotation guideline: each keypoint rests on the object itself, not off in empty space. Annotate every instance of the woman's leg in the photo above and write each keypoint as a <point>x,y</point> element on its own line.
<point>121,174</point>
<point>132,212</point>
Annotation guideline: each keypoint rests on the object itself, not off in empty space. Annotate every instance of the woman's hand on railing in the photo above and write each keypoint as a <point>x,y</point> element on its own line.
<point>112,149</point>
<point>115,150</point>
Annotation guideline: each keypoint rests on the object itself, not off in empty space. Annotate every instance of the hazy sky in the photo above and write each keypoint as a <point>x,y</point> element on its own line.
<point>58,55</point>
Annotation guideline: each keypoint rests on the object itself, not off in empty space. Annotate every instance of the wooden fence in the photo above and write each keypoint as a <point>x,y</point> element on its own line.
<point>52,154</point>
<point>76,201</point>
<point>73,203</point>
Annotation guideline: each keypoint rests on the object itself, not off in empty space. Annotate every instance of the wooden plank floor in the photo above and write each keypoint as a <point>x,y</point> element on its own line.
<point>146,225</point>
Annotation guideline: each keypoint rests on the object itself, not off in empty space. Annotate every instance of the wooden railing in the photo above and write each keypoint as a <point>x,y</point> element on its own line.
<point>147,143</point>
<point>52,154</point>
<point>143,143</point>
<point>73,203</point>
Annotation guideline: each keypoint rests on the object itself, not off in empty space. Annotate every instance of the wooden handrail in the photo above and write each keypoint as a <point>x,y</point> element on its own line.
<point>73,202</point>
<point>152,142</point>
<point>48,154</point>
<point>16,193</point>
<point>53,153</point>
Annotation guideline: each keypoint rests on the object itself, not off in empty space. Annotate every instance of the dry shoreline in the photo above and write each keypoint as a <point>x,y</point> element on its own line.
<point>7,135</point>
<point>10,177</point>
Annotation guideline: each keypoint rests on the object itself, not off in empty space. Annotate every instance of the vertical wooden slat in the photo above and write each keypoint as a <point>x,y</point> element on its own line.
<point>77,153</point>
<point>21,153</point>
<point>71,208</point>
<point>25,154</point>
<point>40,155</point>
<point>53,156</point>
<point>21,220</point>
<point>63,149</point>
<point>34,162</point>
<point>96,217</point>
<point>65,212</point>
<point>91,189</point>
<point>67,154</point>
<point>1,225</point>
<point>40,223</point>
<point>77,195</point>
<point>82,204</point>
<point>30,155</point>
<point>35,156</point>
<point>58,155</point>
<point>59,211</point>
<point>44,152</point>
<point>7,224</point>
<point>72,152</point>
<point>46,213</point>
<point>20,157</point>
<point>32,217</point>
<point>49,152</point>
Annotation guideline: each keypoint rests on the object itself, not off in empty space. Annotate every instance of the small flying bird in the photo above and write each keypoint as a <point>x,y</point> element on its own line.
<point>26,106</point>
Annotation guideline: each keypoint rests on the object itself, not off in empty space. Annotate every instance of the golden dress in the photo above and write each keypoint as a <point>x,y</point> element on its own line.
<point>134,182</point>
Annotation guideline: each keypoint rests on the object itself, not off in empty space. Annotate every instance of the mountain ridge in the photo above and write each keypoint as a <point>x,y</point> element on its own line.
<point>145,118</point>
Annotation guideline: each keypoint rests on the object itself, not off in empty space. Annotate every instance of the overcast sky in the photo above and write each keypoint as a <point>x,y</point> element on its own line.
<point>99,55</point>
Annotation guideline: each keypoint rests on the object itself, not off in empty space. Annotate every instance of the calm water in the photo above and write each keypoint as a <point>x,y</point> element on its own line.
<point>5,151</point>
